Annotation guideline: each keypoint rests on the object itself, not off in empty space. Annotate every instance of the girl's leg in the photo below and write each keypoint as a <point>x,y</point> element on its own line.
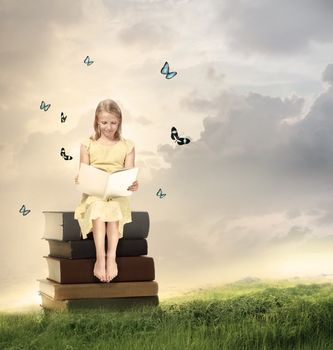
<point>112,231</point>
<point>99,238</point>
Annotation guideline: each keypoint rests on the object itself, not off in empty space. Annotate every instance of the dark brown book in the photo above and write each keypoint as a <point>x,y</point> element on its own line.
<point>114,304</point>
<point>59,291</point>
<point>86,248</point>
<point>61,225</point>
<point>130,269</point>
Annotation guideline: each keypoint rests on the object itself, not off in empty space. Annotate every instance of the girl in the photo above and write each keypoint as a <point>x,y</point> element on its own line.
<point>109,151</point>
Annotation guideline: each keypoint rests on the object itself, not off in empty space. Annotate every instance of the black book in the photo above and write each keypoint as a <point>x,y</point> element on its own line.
<point>86,248</point>
<point>61,225</point>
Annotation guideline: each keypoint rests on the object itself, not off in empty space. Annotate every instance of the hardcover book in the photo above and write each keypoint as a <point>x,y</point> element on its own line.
<point>115,304</point>
<point>97,182</point>
<point>59,291</point>
<point>86,248</point>
<point>130,269</point>
<point>61,225</point>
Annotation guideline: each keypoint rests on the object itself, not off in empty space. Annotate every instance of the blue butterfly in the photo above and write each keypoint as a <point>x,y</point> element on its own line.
<point>87,61</point>
<point>165,70</point>
<point>63,117</point>
<point>64,155</point>
<point>44,106</point>
<point>160,194</point>
<point>24,211</point>
<point>176,138</point>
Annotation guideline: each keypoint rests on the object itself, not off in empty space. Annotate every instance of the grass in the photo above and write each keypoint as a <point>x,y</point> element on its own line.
<point>271,315</point>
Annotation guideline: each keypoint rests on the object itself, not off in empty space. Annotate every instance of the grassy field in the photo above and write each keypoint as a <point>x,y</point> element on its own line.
<point>256,315</point>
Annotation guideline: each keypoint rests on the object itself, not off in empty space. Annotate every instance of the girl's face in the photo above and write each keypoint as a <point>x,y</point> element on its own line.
<point>108,124</point>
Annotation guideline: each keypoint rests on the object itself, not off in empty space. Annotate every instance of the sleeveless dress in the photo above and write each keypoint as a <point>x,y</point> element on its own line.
<point>108,158</point>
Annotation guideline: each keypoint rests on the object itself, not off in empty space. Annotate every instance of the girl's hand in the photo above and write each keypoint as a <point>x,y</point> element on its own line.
<point>134,186</point>
<point>77,179</point>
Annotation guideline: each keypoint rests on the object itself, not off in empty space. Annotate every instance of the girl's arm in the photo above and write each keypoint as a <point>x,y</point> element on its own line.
<point>130,159</point>
<point>84,158</point>
<point>84,155</point>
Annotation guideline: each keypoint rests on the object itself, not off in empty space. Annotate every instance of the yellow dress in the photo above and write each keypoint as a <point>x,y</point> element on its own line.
<point>108,158</point>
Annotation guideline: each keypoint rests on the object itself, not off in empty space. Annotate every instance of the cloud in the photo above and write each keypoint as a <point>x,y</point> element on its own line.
<point>145,35</point>
<point>29,35</point>
<point>275,27</point>
<point>328,74</point>
<point>249,164</point>
<point>28,31</point>
<point>295,234</point>
<point>143,120</point>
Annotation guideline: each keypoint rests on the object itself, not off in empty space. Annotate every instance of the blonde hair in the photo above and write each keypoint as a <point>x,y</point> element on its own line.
<point>108,106</point>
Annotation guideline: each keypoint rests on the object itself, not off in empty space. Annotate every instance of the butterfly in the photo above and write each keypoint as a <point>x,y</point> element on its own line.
<point>87,61</point>
<point>165,70</point>
<point>66,157</point>
<point>44,106</point>
<point>63,117</point>
<point>24,211</point>
<point>179,140</point>
<point>160,194</point>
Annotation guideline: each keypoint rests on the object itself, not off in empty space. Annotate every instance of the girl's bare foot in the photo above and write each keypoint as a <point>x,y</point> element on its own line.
<point>111,268</point>
<point>99,269</point>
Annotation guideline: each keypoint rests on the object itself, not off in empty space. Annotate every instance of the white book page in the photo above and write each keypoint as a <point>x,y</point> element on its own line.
<point>119,181</point>
<point>92,181</point>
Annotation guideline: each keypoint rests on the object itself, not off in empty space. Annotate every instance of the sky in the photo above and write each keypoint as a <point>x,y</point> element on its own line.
<point>250,195</point>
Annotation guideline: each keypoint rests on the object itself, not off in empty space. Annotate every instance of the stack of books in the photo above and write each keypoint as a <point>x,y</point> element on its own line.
<point>71,283</point>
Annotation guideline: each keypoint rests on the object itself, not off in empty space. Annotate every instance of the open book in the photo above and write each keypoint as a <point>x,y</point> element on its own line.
<point>100,183</point>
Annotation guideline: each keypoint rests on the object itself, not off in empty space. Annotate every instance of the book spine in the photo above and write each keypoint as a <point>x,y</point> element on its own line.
<point>106,186</point>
